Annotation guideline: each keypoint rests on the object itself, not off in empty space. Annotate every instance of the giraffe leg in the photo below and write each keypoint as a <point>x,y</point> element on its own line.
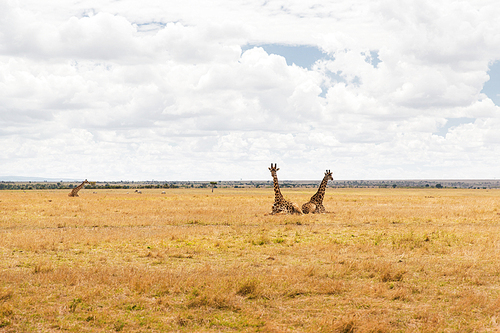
<point>276,209</point>
<point>320,209</point>
<point>296,209</point>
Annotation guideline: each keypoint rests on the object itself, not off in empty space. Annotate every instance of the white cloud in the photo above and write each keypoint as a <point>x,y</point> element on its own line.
<point>141,92</point>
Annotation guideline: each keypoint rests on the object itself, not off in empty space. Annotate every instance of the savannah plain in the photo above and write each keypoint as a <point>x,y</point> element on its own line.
<point>382,260</point>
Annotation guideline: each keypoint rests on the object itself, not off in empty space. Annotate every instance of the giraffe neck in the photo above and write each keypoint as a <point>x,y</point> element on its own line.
<point>277,193</point>
<point>321,190</point>
<point>78,188</point>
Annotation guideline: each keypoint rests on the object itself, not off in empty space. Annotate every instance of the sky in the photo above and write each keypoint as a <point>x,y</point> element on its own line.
<point>218,90</point>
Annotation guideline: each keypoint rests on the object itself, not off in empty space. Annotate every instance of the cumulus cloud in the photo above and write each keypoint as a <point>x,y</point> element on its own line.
<point>113,91</point>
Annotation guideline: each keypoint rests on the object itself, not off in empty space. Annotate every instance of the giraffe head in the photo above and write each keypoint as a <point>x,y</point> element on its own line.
<point>328,175</point>
<point>86,181</point>
<point>274,168</point>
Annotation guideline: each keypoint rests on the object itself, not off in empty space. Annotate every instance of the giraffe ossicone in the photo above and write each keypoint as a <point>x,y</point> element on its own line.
<point>281,206</point>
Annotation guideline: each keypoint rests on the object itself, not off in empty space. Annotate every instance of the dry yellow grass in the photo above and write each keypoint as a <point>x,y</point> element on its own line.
<point>385,260</point>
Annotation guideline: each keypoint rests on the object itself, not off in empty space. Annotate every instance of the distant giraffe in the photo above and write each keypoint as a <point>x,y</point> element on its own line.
<point>315,204</point>
<point>280,204</point>
<point>74,192</point>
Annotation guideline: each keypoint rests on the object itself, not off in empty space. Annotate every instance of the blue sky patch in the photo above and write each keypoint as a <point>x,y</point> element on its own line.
<point>453,122</point>
<point>372,58</point>
<point>301,55</point>
<point>492,87</point>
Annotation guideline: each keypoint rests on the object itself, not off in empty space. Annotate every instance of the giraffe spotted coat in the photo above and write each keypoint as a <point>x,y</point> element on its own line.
<point>281,206</point>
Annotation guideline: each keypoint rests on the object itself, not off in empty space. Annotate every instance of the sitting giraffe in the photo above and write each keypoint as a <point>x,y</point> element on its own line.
<point>280,204</point>
<point>74,192</point>
<point>315,204</point>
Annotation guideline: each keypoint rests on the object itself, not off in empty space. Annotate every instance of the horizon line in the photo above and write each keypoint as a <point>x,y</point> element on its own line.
<point>43,179</point>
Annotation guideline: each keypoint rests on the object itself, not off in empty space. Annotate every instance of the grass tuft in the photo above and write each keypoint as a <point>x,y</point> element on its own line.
<point>248,288</point>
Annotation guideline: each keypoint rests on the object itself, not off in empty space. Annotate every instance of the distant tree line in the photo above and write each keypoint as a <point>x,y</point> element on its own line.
<point>252,184</point>
<point>63,186</point>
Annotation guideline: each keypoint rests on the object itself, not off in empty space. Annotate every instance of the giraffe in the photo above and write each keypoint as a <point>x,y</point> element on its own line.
<point>280,204</point>
<point>315,204</point>
<point>74,192</point>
